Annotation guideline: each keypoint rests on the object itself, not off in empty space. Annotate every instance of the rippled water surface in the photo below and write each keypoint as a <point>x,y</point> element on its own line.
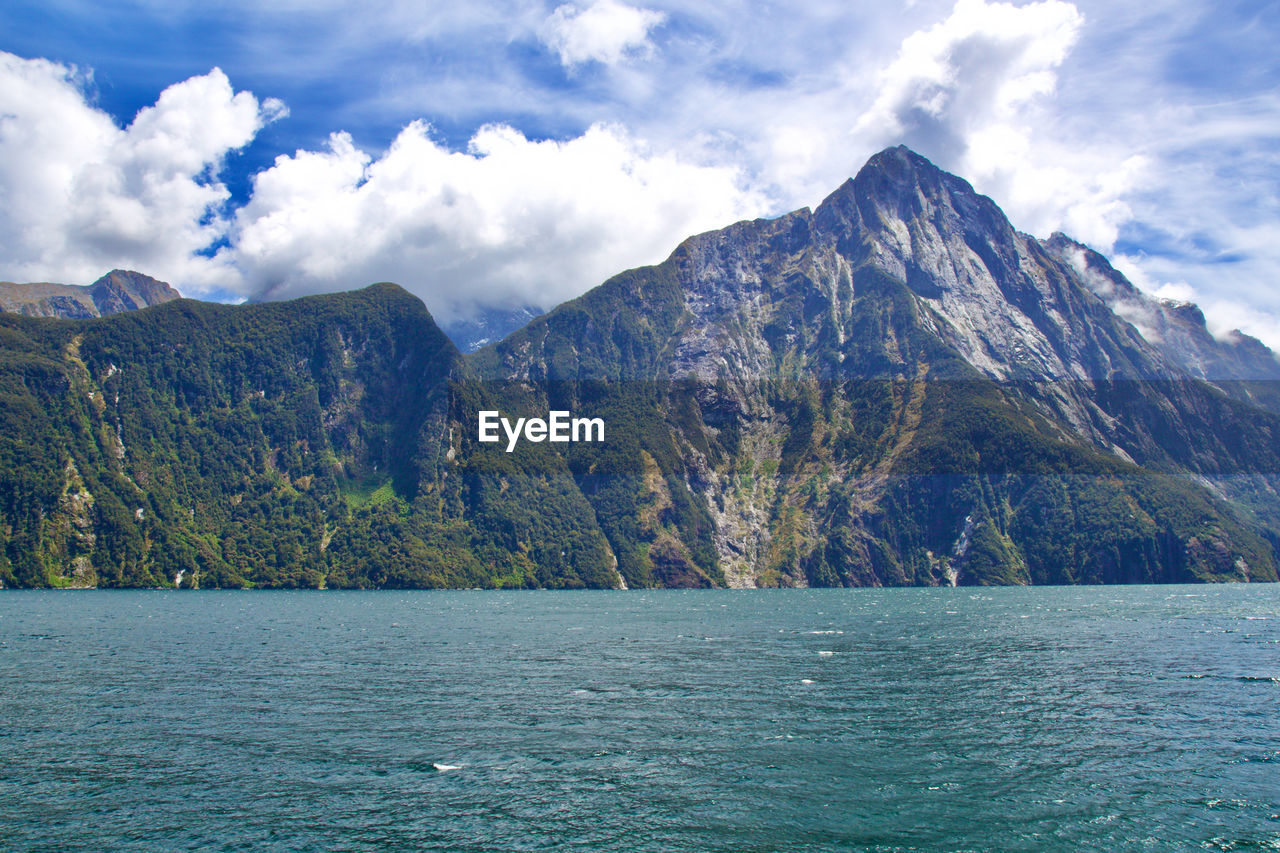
<point>942,719</point>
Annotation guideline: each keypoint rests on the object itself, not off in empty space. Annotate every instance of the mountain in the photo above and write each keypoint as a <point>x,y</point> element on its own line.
<point>488,326</point>
<point>117,291</point>
<point>896,387</point>
<point>284,444</point>
<point>1239,364</point>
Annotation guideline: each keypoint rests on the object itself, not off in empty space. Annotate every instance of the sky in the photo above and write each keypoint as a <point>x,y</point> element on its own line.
<point>495,154</point>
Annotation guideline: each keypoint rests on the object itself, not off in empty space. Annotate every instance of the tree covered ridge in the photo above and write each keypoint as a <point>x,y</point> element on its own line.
<point>298,444</point>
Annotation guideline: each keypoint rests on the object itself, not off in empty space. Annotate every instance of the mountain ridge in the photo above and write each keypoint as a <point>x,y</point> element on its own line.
<point>927,297</point>
<point>896,387</point>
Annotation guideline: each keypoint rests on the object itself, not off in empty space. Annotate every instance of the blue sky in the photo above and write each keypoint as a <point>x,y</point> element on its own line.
<point>493,153</point>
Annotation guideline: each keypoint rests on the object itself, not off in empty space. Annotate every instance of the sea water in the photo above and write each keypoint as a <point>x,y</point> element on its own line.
<point>1096,718</point>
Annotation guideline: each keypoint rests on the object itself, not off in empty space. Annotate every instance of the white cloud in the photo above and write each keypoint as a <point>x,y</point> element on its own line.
<point>1146,130</point>
<point>981,66</point>
<point>968,92</point>
<point>607,31</point>
<point>510,221</point>
<point>1226,317</point>
<point>82,195</point>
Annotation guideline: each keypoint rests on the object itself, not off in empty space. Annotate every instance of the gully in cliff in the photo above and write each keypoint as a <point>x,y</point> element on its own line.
<point>558,426</point>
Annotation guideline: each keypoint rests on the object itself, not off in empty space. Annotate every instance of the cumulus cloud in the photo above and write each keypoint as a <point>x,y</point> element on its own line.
<point>967,93</point>
<point>607,31</point>
<point>509,221</point>
<point>1074,115</point>
<point>980,66</point>
<point>83,195</point>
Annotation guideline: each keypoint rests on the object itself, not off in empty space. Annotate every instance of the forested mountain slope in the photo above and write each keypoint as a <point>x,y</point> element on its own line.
<point>894,388</point>
<point>287,444</point>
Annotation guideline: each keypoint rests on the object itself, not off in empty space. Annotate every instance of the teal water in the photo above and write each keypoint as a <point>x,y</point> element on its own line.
<point>942,719</point>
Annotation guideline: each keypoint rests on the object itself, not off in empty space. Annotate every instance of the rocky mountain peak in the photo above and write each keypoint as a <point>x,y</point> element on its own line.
<point>1011,308</point>
<point>899,184</point>
<point>126,290</point>
<point>899,172</point>
<point>115,292</point>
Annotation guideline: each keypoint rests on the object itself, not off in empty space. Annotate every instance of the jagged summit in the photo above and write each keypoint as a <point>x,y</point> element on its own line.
<point>908,184</point>
<point>904,325</point>
<point>1014,304</point>
<point>1176,328</point>
<point>897,169</point>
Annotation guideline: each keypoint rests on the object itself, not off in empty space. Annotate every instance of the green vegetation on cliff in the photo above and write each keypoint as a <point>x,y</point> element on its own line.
<point>296,444</point>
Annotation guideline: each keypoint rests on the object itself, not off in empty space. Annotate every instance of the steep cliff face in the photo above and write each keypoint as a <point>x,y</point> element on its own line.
<point>898,387</point>
<point>117,291</point>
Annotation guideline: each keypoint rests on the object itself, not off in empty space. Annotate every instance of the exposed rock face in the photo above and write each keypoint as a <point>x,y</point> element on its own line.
<point>1007,307</point>
<point>117,291</point>
<point>899,387</point>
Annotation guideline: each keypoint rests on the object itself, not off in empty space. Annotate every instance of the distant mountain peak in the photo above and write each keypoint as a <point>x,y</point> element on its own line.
<point>1177,328</point>
<point>126,290</point>
<point>113,293</point>
<point>489,325</point>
